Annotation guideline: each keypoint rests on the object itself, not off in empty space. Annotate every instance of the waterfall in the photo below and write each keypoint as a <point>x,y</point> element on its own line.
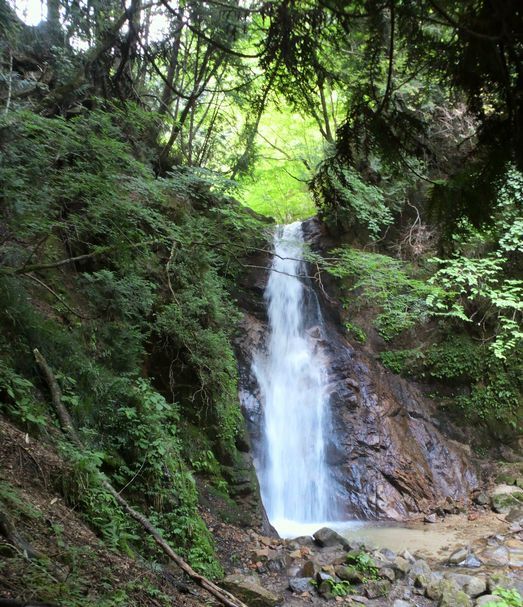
<point>295,482</point>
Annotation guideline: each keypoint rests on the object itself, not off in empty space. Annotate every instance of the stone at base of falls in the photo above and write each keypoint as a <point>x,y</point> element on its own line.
<point>299,585</point>
<point>377,588</point>
<point>458,556</point>
<point>471,585</point>
<point>515,515</point>
<point>248,589</point>
<point>349,573</point>
<point>488,598</point>
<point>326,537</point>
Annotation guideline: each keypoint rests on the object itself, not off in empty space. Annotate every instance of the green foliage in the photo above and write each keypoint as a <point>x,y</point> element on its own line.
<point>482,288</point>
<point>509,598</point>
<point>364,563</point>
<point>358,333</point>
<point>384,284</point>
<point>345,200</point>
<point>472,378</point>
<point>288,147</point>
<point>152,287</point>
<point>338,588</point>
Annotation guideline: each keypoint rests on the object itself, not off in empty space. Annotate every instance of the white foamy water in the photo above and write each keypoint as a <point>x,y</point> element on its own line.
<point>295,483</point>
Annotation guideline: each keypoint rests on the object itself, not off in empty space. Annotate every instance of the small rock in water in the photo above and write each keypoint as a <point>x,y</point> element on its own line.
<point>471,562</point>
<point>458,556</point>
<point>430,518</point>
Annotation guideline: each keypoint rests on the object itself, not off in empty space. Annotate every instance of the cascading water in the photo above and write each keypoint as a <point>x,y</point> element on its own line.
<point>295,482</point>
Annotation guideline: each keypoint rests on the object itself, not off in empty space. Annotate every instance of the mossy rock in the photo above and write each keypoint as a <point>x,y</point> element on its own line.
<point>503,502</point>
<point>506,478</point>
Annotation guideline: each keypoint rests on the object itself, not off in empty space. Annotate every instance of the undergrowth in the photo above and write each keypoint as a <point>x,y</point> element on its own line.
<point>137,329</point>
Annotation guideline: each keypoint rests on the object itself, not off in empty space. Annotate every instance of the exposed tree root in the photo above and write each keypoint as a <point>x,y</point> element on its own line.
<point>66,423</point>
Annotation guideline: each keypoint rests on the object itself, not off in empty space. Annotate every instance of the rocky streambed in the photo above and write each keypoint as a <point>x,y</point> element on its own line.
<point>331,567</point>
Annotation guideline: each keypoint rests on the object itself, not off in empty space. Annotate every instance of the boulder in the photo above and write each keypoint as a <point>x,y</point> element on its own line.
<point>326,537</point>
<point>377,588</point>
<point>401,565</point>
<point>420,573</point>
<point>387,573</point>
<point>349,574</point>
<point>433,589</point>
<point>495,556</point>
<point>471,585</point>
<point>515,515</point>
<point>299,585</point>
<point>471,562</point>
<point>488,598</point>
<point>481,499</point>
<point>503,502</point>
<point>309,569</point>
<point>458,556</point>
<point>248,589</point>
<point>303,540</point>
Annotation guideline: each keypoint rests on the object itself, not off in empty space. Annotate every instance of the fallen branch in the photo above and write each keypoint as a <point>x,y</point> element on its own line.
<point>66,423</point>
<point>10,532</point>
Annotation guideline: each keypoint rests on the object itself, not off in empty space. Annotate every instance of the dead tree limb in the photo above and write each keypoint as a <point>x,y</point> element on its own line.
<point>66,423</point>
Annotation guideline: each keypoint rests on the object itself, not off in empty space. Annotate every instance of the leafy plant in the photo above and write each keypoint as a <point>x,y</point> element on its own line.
<point>364,563</point>
<point>509,598</point>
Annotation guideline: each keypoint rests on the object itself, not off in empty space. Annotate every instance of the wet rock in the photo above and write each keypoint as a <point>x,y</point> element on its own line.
<point>458,556</point>
<point>326,537</point>
<point>321,577</point>
<point>455,599</point>
<point>505,497</point>
<point>420,573</point>
<point>471,562</point>
<point>471,585</point>
<point>376,588</point>
<point>387,573</point>
<point>481,499</point>
<point>309,569</point>
<point>515,515</point>
<point>488,598</point>
<point>433,589</point>
<point>248,589</point>
<point>303,540</point>
<point>407,556</point>
<point>495,556</point>
<point>401,565</point>
<point>299,585</point>
<point>388,554</point>
<point>350,574</point>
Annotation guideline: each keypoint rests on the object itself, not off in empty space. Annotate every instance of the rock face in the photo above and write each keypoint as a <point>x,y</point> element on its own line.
<point>389,456</point>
